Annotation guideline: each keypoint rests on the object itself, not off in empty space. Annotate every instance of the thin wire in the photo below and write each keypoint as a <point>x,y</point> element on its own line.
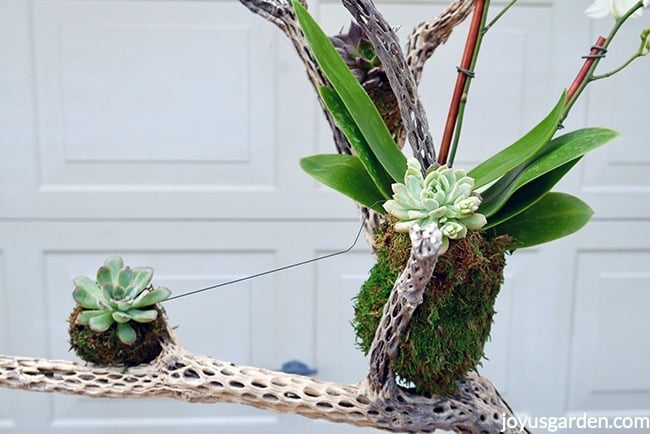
<point>275,270</point>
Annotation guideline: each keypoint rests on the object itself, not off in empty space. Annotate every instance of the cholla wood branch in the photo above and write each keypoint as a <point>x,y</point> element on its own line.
<point>177,373</point>
<point>376,401</point>
<point>406,296</point>
<point>280,13</point>
<point>392,59</point>
<point>427,36</point>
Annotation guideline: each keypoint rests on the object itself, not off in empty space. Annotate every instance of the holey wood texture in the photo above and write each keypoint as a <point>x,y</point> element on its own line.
<point>376,401</point>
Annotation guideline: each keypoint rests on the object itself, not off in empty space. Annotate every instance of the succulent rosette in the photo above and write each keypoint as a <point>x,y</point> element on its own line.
<point>120,295</point>
<point>444,197</point>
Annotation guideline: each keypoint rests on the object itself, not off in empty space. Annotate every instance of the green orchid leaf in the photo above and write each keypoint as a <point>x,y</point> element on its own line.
<point>360,146</point>
<point>554,154</point>
<point>509,158</point>
<point>345,174</point>
<point>530,193</point>
<point>554,216</point>
<point>86,293</point>
<point>126,334</point>
<point>354,97</point>
<point>149,298</point>
<point>101,322</point>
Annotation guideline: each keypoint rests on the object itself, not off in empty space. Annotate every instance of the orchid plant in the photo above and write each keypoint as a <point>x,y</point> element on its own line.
<point>509,193</point>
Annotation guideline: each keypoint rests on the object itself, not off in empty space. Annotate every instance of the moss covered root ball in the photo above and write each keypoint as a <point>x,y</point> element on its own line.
<point>448,331</point>
<point>106,349</point>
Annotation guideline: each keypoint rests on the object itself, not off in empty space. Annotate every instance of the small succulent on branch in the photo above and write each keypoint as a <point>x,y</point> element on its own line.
<point>120,295</point>
<point>444,197</point>
<point>359,55</point>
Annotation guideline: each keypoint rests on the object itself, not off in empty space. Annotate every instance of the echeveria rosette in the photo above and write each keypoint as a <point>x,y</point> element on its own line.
<point>444,197</point>
<point>120,295</point>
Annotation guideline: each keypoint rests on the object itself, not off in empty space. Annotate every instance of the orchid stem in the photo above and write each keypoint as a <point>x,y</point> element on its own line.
<point>464,75</point>
<point>635,56</point>
<point>498,16</point>
<point>468,83</point>
<point>586,74</point>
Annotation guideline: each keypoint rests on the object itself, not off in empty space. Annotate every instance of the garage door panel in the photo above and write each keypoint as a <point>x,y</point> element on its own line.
<point>154,93</point>
<point>611,331</point>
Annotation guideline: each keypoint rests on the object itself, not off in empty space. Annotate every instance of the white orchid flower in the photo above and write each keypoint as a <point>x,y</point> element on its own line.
<point>616,8</point>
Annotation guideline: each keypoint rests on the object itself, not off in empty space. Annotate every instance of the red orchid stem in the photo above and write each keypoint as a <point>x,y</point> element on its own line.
<point>465,64</point>
<point>584,71</point>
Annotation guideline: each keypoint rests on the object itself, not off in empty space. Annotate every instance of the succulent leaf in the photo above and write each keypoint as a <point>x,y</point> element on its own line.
<point>86,293</point>
<point>84,316</point>
<point>104,276</point>
<point>151,297</point>
<point>141,278</point>
<point>101,321</point>
<point>126,334</point>
<point>114,264</point>
<point>121,317</point>
<point>445,198</point>
<point>124,279</point>
<point>142,316</point>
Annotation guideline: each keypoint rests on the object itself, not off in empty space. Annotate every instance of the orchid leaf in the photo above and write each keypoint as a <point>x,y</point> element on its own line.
<point>345,174</point>
<point>360,146</point>
<point>509,158</point>
<point>554,154</point>
<point>354,97</point>
<point>554,216</point>
<point>529,194</point>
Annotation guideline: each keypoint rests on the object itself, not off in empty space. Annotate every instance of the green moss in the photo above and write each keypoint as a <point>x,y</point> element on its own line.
<point>448,331</point>
<point>106,348</point>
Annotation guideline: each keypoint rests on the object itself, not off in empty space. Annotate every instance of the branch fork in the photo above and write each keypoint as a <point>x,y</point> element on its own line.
<point>376,401</point>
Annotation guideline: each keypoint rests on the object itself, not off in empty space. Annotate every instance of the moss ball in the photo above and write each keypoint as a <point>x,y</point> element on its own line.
<point>447,333</point>
<point>106,349</point>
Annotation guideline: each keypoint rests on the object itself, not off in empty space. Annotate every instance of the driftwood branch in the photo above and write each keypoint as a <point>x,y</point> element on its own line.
<point>392,59</point>
<point>376,401</point>
<point>406,296</point>
<point>280,13</point>
<point>429,35</point>
<point>179,374</point>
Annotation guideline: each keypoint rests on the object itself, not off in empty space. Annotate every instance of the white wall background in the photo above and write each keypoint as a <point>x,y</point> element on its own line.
<point>169,132</point>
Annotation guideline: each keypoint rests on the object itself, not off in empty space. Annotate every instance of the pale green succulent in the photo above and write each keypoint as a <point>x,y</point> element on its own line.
<point>445,197</point>
<point>120,295</point>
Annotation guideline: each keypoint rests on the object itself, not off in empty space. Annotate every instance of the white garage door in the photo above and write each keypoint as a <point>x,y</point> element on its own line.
<point>169,132</point>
